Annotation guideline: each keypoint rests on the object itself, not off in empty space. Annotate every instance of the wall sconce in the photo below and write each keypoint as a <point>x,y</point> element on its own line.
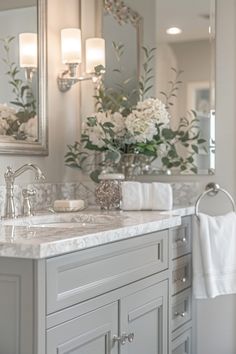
<point>28,46</point>
<point>71,56</point>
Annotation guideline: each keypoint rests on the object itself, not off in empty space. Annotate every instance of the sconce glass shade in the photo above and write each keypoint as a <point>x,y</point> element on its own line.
<point>28,50</point>
<point>71,45</point>
<point>95,53</point>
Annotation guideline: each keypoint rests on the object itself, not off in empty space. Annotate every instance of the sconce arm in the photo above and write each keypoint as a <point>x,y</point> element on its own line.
<point>66,82</point>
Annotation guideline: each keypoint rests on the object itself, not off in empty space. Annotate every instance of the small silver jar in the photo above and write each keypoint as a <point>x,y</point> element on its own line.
<point>108,191</point>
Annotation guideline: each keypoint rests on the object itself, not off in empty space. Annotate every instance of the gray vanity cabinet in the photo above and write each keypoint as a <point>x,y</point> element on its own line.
<point>134,324</point>
<point>127,297</point>
<point>87,334</point>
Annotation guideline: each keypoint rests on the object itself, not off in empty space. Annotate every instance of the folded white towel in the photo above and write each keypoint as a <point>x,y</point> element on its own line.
<point>162,196</point>
<point>146,196</point>
<point>214,256</point>
<point>131,196</point>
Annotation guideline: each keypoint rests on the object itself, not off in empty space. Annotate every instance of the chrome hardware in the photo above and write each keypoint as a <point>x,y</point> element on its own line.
<point>182,240</point>
<point>213,189</point>
<point>10,179</point>
<point>180,314</point>
<point>182,280</point>
<point>124,338</point>
<point>27,206</point>
<point>121,340</point>
<point>130,337</point>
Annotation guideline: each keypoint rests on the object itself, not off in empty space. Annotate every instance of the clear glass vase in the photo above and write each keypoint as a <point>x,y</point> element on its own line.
<point>132,165</point>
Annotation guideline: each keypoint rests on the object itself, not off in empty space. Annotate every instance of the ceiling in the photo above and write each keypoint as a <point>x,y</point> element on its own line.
<point>192,16</point>
<point>16,4</point>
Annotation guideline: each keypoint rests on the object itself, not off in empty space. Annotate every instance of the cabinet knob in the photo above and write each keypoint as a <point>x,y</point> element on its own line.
<point>182,239</point>
<point>120,339</point>
<point>130,337</point>
<point>180,314</point>
<point>123,338</point>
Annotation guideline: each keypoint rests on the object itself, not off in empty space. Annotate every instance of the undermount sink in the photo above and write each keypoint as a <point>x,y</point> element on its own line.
<point>73,220</point>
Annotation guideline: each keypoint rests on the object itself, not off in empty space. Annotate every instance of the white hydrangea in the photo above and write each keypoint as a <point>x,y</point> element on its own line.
<point>30,129</point>
<point>6,114</point>
<point>141,122</point>
<point>139,129</point>
<point>3,126</point>
<point>155,109</point>
<point>96,133</point>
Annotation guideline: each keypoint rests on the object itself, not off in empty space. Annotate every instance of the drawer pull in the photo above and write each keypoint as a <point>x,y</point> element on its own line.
<point>182,240</point>
<point>182,280</point>
<point>123,338</point>
<point>180,314</point>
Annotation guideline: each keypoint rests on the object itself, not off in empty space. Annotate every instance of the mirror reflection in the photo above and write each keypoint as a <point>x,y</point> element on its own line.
<point>22,126</point>
<point>182,75</point>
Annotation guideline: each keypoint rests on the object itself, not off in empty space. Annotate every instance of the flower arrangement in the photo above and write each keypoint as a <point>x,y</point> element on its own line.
<point>135,133</point>
<point>144,128</point>
<point>18,121</point>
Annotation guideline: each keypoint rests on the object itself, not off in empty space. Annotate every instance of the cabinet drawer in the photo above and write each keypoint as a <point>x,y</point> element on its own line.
<point>181,239</point>
<point>183,343</point>
<point>85,274</point>
<point>181,274</point>
<point>181,309</point>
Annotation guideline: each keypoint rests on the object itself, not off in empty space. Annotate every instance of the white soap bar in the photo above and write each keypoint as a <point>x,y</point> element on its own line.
<point>68,205</point>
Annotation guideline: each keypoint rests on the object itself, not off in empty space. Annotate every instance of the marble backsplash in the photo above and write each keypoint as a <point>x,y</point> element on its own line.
<point>184,194</point>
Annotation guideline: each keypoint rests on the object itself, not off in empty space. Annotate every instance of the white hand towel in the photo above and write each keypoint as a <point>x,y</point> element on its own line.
<point>131,196</point>
<point>162,196</point>
<point>214,256</point>
<point>146,196</point>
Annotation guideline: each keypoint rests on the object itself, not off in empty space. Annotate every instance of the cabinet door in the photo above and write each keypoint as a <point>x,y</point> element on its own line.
<point>91,333</point>
<point>144,314</point>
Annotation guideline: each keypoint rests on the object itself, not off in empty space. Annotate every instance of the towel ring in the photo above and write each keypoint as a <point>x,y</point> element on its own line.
<point>213,189</point>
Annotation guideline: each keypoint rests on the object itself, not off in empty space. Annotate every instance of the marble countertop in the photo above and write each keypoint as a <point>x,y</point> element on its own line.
<point>47,236</point>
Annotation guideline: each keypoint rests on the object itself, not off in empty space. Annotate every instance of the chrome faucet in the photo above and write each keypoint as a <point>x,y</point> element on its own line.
<point>10,177</point>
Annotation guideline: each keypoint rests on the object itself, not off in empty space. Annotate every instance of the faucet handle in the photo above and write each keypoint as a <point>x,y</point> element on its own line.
<point>27,194</point>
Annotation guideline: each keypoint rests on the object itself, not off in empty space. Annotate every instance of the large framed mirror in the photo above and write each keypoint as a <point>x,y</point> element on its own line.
<point>182,67</point>
<point>23,89</point>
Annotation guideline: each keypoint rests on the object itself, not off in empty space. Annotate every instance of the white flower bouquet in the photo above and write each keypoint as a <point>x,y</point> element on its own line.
<point>138,132</point>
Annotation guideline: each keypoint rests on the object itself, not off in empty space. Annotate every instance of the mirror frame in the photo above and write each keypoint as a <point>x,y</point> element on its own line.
<point>41,146</point>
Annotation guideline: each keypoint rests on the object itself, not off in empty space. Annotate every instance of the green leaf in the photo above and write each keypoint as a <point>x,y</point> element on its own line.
<point>165,161</point>
<point>17,103</point>
<point>168,133</point>
<point>194,170</point>
<point>108,125</point>
<point>94,175</point>
<point>195,148</point>
<point>190,159</point>
<point>201,141</point>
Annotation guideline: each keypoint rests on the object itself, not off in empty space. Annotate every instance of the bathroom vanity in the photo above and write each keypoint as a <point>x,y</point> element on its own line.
<point>97,283</point>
